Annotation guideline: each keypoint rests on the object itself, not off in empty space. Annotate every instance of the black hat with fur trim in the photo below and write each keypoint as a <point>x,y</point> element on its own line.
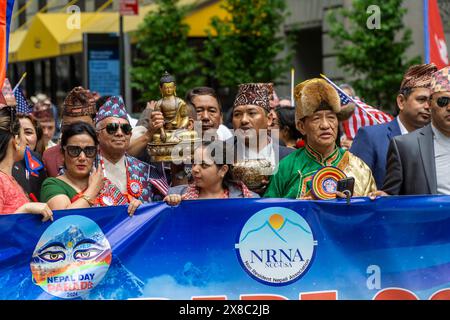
<point>317,94</point>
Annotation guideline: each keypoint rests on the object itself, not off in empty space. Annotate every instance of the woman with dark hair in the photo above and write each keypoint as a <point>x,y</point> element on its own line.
<point>286,124</point>
<point>24,171</point>
<point>212,178</point>
<point>33,132</point>
<point>81,182</point>
<point>81,185</point>
<point>12,147</point>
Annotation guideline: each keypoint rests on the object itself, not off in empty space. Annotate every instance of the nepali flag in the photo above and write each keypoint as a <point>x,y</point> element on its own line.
<point>6,8</point>
<point>364,114</point>
<point>435,45</point>
<point>32,163</point>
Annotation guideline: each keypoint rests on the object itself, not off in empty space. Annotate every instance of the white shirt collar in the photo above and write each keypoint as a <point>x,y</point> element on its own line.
<point>438,135</point>
<point>403,129</point>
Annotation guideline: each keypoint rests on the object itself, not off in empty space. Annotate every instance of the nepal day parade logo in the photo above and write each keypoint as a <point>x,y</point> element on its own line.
<point>276,246</point>
<point>71,257</point>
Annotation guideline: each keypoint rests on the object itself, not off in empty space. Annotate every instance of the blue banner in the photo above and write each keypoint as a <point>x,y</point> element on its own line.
<point>394,247</point>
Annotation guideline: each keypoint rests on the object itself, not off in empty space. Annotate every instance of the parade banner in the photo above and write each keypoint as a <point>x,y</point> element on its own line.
<point>235,249</point>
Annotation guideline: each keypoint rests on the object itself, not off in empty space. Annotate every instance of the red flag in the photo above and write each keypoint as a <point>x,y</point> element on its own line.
<point>435,45</point>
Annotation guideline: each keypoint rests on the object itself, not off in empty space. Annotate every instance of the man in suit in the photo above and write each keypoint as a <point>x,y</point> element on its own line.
<point>418,163</point>
<point>371,142</point>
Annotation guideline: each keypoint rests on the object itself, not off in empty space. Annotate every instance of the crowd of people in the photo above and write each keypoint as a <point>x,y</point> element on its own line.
<point>94,155</point>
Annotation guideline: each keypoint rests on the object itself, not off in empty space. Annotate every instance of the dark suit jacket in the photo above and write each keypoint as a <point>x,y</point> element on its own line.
<point>371,144</point>
<point>411,166</point>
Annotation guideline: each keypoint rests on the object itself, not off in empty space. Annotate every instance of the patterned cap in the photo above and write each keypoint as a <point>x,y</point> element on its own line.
<point>79,102</point>
<point>418,76</point>
<point>113,107</point>
<point>254,93</point>
<point>8,94</point>
<point>43,111</point>
<point>440,80</point>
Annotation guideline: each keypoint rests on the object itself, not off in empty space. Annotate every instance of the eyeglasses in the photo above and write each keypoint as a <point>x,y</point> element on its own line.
<point>112,128</point>
<point>75,151</point>
<point>443,102</point>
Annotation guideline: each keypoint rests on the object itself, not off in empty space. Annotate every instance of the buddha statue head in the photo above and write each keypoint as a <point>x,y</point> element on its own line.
<point>167,85</point>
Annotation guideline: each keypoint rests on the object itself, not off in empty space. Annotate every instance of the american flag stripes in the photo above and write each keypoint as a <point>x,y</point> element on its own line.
<point>157,179</point>
<point>364,114</point>
<point>361,118</point>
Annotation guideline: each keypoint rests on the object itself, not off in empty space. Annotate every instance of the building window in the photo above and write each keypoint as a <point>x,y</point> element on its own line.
<point>42,4</point>
<point>23,14</point>
<point>98,3</point>
<point>82,5</point>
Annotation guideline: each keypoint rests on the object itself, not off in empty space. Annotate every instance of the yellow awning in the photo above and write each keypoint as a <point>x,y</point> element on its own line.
<point>49,36</point>
<point>15,41</point>
<point>42,39</point>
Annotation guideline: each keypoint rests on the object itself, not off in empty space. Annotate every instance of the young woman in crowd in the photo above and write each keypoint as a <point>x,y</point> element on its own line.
<point>212,177</point>
<point>31,181</point>
<point>12,147</point>
<point>81,185</point>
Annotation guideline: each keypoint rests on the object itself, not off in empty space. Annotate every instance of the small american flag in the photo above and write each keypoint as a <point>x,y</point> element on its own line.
<point>364,117</point>
<point>22,104</point>
<point>364,114</point>
<point>157,179</point>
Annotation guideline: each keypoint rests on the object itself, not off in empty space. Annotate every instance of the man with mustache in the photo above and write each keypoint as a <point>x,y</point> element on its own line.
<point>317,116</point>
<point>418,162</point>
<point>371,142</point>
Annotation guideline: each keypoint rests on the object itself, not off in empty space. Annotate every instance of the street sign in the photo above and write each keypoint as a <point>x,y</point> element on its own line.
<point>129,7</point>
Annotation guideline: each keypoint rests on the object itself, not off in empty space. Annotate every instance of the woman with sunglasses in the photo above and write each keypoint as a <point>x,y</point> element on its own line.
<point>12,147</point>
<point>212,178</point>
<point>81,182</point>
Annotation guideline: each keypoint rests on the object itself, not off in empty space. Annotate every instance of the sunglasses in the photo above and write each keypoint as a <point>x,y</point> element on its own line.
<point>112,128</point>
<point>443,102</point>
<point>75,151</point>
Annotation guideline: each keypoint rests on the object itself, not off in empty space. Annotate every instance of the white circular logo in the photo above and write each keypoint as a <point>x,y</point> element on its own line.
<point>71,258</point>
<point>276,246</point>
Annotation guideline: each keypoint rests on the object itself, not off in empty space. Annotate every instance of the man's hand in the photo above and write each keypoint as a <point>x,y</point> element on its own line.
<point>156,122</point>
<point>134,204</point>
<point>378,193</point>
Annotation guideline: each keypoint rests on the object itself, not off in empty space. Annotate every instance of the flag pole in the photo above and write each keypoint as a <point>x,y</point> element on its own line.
<point>356,104</point>
<point>292,86</point>
<point>20,81</point>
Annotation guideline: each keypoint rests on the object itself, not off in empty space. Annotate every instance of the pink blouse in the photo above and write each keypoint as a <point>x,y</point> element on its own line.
<point>12,195</point>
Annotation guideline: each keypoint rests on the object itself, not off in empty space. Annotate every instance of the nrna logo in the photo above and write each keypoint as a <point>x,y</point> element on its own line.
<point>276,246</point>
<point>71,257</point>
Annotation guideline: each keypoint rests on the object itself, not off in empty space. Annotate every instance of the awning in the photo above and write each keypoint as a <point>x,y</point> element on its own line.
<point>42,39</point>
<point>49,35</point>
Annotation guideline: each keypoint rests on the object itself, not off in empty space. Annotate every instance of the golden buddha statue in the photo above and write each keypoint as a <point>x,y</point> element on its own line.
<point>175,131</point>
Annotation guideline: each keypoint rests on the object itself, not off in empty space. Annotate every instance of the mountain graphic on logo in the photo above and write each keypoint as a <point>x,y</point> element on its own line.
<point>71,234</point>
<point>276,224</point>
